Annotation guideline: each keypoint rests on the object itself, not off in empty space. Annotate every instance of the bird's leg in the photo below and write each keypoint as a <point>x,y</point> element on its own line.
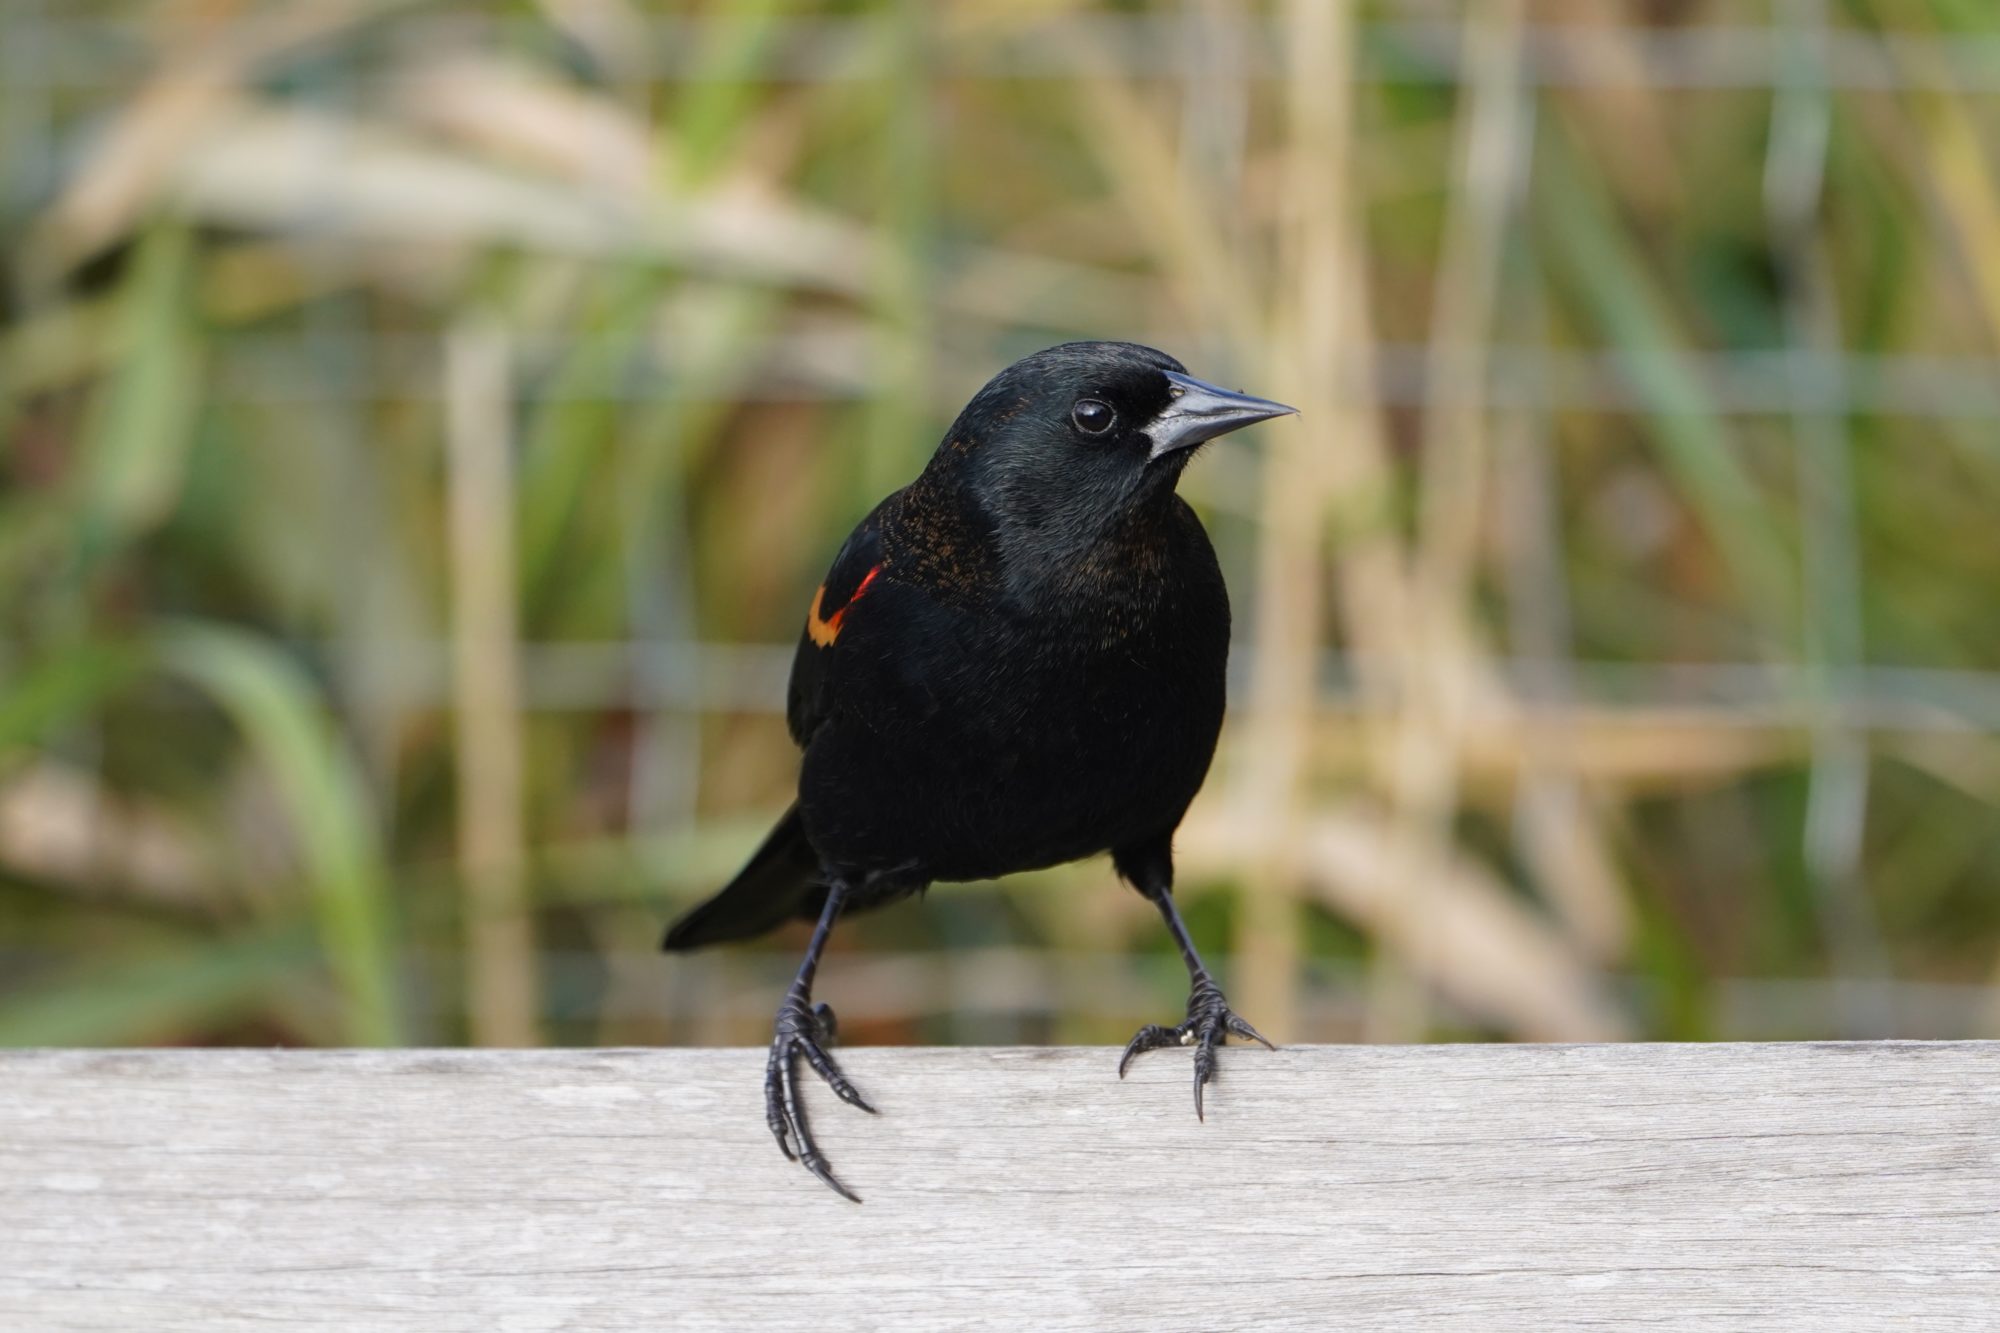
<point>806,1029</point>
<point>1210,1023</point>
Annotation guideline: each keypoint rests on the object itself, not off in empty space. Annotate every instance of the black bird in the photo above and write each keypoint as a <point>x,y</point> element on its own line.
<point>1016,660</point>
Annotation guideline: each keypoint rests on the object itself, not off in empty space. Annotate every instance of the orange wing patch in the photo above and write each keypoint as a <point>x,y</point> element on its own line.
<point>824,629</point>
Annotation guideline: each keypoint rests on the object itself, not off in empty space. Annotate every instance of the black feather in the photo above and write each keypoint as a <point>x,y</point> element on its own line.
<point>781,881</point>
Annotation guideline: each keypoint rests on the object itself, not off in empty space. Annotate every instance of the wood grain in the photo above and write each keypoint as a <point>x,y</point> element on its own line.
<point>1375,1188</point>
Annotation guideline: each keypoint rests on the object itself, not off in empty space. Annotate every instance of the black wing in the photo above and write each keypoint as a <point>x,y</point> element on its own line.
<point>854,571</point>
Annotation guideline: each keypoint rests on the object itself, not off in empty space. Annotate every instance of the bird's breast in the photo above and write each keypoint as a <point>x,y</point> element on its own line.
<point>979,738</point>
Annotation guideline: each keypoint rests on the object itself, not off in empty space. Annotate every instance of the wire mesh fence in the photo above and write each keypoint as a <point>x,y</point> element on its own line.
<point>424,427</point>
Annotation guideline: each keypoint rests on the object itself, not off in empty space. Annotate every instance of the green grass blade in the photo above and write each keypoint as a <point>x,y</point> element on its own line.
<point>1591,253</point>
<point>155,997</point>
<point>142,422</point>
<point>62,686</point>
<point>278,711</point>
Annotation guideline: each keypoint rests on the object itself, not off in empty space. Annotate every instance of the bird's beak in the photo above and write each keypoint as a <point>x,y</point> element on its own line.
<point>1201,411</point>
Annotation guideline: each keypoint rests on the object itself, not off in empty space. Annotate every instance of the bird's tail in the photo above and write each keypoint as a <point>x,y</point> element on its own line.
<point>780,880</point>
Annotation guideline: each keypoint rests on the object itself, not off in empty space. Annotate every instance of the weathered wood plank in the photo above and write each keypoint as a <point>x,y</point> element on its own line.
<point>1464,1188</point>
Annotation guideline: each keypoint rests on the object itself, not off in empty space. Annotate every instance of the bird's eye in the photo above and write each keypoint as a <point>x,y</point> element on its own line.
<point>1092,417</point>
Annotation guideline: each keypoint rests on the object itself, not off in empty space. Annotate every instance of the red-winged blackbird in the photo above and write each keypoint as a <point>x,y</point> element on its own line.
<point>1016,660</point>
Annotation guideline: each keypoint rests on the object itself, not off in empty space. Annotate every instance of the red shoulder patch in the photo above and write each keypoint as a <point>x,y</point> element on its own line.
<point>823,626</point>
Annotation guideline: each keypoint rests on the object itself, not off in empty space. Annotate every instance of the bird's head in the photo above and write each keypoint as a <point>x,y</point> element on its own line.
<point>1063,444</point>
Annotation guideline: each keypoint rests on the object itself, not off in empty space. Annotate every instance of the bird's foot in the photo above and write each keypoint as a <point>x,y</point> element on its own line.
<point>804,1031</point>
<point>1210,1024</point>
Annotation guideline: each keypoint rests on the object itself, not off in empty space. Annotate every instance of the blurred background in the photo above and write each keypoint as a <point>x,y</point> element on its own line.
<point>423,425</point>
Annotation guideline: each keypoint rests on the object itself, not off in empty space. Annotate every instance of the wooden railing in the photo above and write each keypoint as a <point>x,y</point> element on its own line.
<point>1467,1187</point>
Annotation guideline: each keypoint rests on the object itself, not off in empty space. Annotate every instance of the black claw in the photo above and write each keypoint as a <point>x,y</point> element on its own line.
<point>818,1168</point>
<point>1209,1024</point>
<point>823,1065</point>
<point>1148,1038</point>
<point>809,1153</point>
<point>774,1105</point>
<point>1238,1027</point>
<point>784,1110</point>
